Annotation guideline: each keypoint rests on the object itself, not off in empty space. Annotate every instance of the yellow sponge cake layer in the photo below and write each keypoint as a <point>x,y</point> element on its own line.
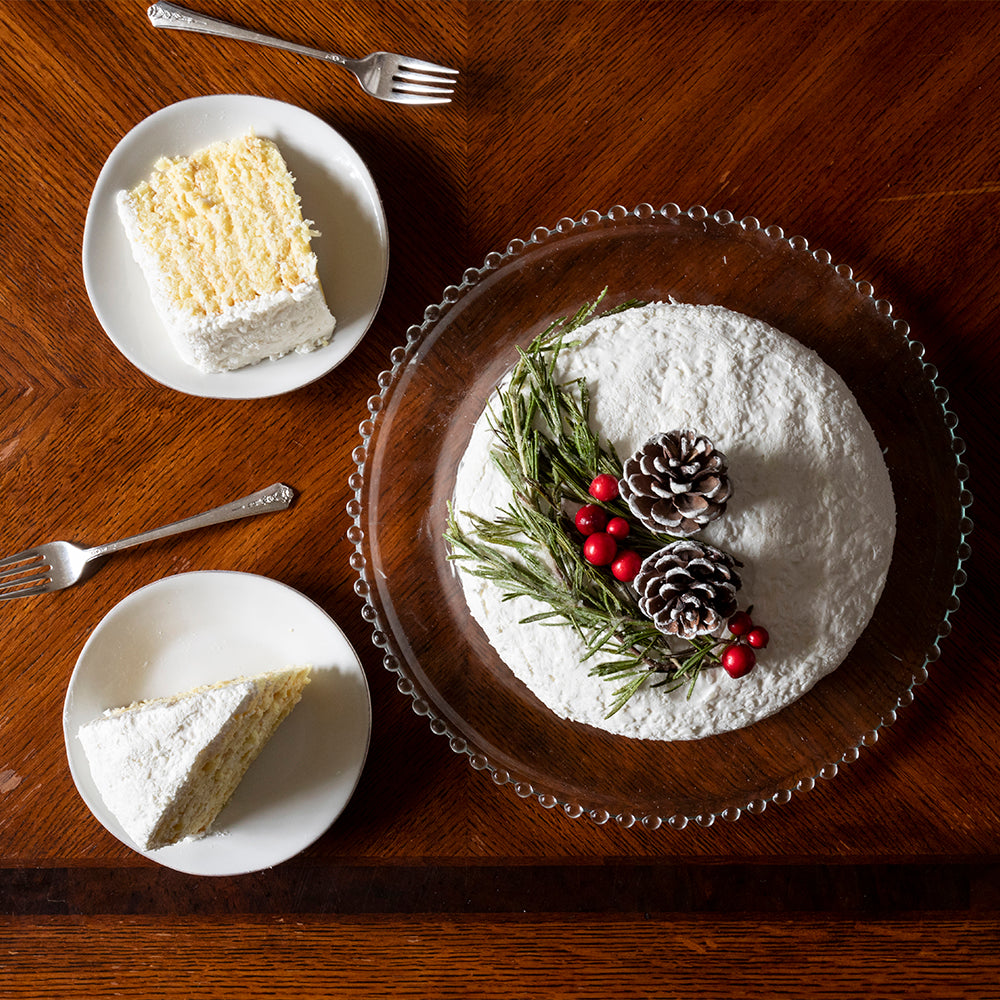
<point>227,255</point>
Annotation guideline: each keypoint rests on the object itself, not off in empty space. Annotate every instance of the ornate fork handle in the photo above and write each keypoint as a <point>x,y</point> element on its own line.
<point>169,15</point>
<point>276,497</point>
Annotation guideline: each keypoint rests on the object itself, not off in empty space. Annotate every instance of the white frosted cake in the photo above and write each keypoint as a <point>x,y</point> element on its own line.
<point>227,256</point>
<point>166,767</point>
<point>811,518</point>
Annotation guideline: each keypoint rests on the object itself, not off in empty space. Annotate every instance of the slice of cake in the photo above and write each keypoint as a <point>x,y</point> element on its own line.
<point>221,241</point>
<point>166,767</point>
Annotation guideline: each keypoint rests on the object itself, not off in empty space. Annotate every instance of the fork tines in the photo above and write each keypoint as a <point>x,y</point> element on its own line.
<point>23,575</point>
<point>425,82</point>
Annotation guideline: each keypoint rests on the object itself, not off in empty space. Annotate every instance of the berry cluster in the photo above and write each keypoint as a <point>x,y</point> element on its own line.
<point>603,534</point>
<point>738,658</point>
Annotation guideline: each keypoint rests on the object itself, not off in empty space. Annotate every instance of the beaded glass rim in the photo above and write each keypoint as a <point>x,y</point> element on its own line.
<point>382,638</point>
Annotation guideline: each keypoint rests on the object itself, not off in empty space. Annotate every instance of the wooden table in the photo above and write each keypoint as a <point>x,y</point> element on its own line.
<point>871,129</point>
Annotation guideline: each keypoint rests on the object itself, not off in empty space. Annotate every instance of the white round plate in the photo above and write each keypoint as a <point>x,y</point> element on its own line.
<point>338,195</point>
<point>200,628</point>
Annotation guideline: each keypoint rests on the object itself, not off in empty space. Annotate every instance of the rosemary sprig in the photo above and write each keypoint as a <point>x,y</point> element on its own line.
<point>549,454</point>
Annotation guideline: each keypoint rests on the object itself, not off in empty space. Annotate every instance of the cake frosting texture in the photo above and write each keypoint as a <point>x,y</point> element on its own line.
<point>811,518</point>
<point>227,256</point>
<point>166,767</point>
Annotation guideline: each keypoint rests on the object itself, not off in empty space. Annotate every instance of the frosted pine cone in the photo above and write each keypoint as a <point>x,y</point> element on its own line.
<point>688,588</point>
<point>676,483</point>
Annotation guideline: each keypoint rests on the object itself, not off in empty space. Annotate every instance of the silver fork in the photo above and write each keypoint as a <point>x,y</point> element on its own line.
<point>384,75</point>
<point>61,564</point>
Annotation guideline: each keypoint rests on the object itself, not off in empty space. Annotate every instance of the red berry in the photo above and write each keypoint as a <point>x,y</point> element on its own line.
<point>618,528</point>
<point>604,487</point>
<point>740,623</point>
<point>626,566</point>
<point>590,518</point>
<point>738,660</point>
<point>599,548</point>
<point>757,637</point>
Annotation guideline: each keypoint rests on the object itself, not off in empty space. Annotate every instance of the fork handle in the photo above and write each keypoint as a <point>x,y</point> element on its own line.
<point>276,497</point>
<point>169,15</point>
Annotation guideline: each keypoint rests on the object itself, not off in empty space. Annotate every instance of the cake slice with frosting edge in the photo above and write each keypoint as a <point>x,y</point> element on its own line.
<point>166,767</point>
<point>227,256</point>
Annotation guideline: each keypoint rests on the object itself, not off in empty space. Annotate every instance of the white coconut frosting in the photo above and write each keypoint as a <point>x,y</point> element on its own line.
<point>812,516</point>
<point>140,761</point>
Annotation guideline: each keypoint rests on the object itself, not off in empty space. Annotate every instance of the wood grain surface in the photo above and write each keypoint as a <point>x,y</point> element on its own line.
<point>871,129</point>
<point>686,959</point>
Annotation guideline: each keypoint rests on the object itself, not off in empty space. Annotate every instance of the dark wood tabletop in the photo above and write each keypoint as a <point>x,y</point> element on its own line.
<point>870,129</point>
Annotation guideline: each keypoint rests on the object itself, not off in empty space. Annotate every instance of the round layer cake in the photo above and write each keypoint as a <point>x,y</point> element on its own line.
<point>811,518</point>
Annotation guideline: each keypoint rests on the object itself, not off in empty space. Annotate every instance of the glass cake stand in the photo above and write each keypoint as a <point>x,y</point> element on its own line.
<point>417,429</point>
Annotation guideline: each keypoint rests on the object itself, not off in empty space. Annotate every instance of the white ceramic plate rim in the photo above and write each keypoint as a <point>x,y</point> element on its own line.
<point>202,627</point>
<point>338,195</point>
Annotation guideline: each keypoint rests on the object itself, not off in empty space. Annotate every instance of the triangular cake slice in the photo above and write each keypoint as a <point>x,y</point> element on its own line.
<point>165,767</point>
